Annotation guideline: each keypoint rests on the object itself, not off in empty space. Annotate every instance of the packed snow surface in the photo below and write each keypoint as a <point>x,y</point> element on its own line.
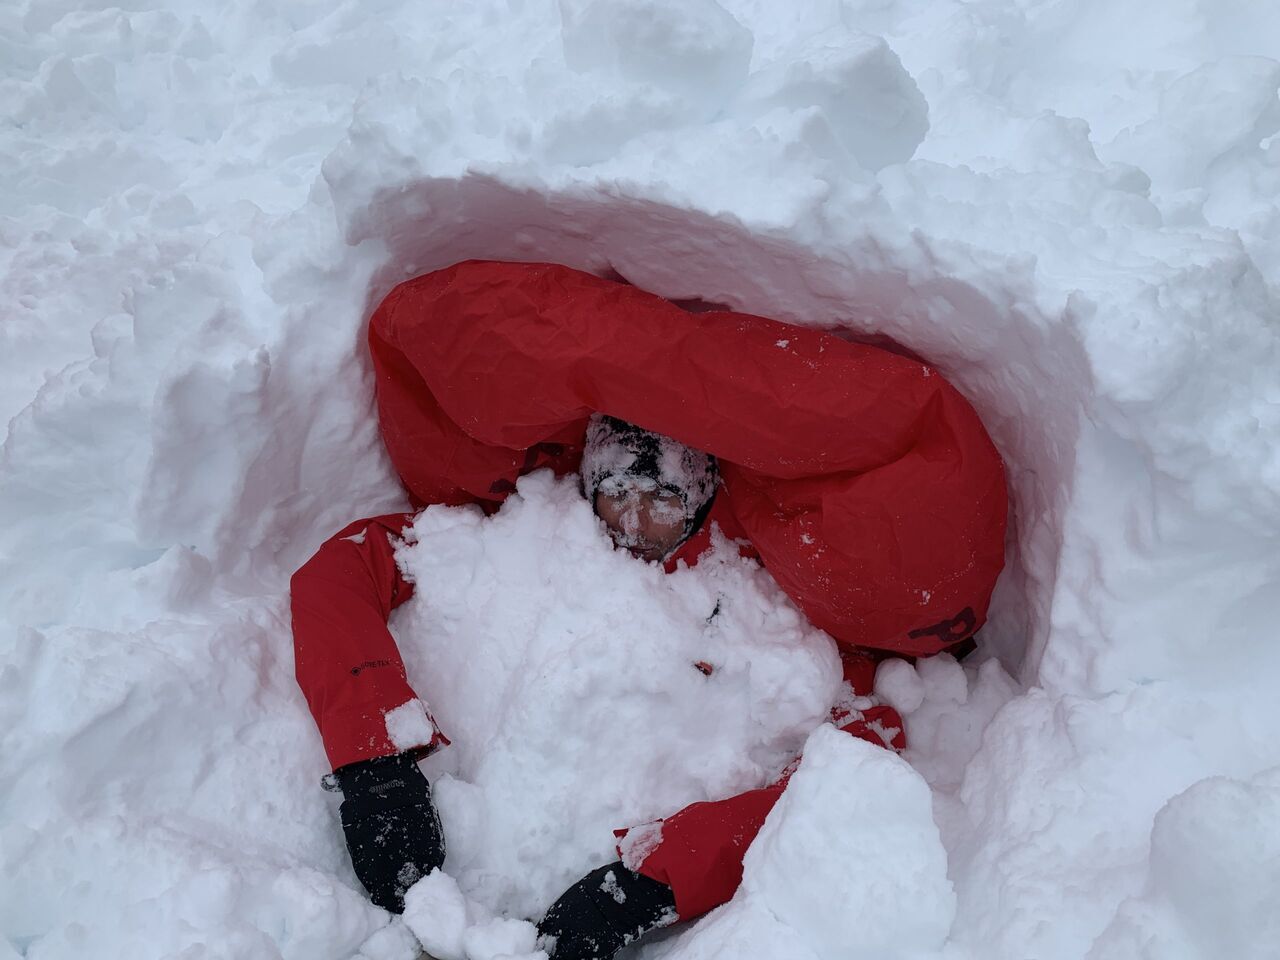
<point>1071,208</point>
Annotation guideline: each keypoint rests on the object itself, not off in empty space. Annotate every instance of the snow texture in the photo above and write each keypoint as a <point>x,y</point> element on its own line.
<point>806,882</point>
<point>409,725</point>
<point>451,927</point>
<point>564,671</point>
<point>1072,209</point>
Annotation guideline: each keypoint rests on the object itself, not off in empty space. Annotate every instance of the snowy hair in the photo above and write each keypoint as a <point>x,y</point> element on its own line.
<point>620,456</point>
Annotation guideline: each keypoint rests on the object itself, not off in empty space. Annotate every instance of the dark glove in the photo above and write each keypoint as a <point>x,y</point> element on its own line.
<point>603,912</point>
<point>393,831</point>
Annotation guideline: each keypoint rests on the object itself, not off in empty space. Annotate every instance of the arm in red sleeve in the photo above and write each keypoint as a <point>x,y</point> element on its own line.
<point>698,851</point>
<point>346,660</point>
<point>857,713</point>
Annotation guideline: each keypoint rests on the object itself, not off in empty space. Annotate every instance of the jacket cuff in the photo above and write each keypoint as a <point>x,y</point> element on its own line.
<point>364,733</point>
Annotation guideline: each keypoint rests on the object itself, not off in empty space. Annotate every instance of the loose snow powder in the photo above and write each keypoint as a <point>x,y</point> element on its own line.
<point>565,672</point>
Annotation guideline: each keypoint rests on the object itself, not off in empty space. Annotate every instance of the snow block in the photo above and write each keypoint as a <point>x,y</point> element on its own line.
<point>848,866</point>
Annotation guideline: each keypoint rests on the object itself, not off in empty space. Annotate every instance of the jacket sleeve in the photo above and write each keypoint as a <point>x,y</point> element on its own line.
<point>698,851</point>
<point>346,660</point>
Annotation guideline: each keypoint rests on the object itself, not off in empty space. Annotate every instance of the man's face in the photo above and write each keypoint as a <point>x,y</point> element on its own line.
<point>648,523</point>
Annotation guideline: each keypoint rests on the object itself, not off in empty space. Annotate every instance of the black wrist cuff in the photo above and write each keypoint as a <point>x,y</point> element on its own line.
<point>394,779</point>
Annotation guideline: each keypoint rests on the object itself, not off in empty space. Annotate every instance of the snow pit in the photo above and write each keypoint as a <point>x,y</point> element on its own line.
<point>1071,209</point>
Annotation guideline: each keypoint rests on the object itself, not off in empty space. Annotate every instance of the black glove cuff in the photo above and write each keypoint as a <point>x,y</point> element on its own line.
<point>605,910</point>
<point>383,781</point>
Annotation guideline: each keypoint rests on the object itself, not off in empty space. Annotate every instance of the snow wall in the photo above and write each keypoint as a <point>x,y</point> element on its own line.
<point>1070,209</point>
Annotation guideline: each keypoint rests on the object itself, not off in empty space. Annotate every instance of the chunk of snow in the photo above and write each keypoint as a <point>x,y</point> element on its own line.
<point>942,678</point>
<point>439,915</point>
<point>502,939</point>
<point>560,667</point>
<point>899,685</point>
<point>409,725</point>
<point>849,864</point>
<point>638,842</point>
<point>610,886</point>
<point>1213,879</point>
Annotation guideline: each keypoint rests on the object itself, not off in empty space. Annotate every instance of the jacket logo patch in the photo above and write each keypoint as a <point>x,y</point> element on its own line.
<point>368,664</point>
<point>950,631</point>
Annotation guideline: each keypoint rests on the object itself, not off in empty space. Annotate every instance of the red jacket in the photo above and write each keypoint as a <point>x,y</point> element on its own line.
<point>861,479</point>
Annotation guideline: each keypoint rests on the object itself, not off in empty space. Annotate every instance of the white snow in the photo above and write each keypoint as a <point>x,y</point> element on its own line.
<point>611,887</point>
<point>639,842</point>
<point>409,725</point>
<point>1210,884</point>
<point>899,685</point>
<point>564,671</point>
<point>449,926</point>
<point>1071,208</point>
<point>848,864</point>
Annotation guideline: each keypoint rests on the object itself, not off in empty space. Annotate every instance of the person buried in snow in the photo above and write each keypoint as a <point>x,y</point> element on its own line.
<point>656,499</point>
<point>861,479</point>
